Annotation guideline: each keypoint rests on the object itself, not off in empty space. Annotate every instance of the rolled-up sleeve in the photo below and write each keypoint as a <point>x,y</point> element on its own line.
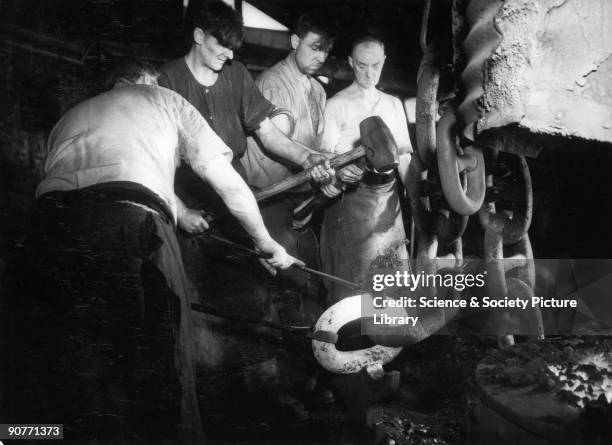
<point>282,101</point>
<point>198,143</point>
<point>254,107</point>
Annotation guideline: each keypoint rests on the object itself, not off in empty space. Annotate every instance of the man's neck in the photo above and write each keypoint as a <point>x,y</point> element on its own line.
<point>300,74</point>
<point>201,72</point>
<point>370,94</point>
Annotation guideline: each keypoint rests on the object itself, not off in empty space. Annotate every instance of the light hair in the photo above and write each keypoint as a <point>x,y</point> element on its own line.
<point>128,72</point>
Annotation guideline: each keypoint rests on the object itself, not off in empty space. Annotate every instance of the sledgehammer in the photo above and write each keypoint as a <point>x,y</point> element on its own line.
<point>377,145</point>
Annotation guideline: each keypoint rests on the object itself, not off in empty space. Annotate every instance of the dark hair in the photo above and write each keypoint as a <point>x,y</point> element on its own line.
<point>317,24</point>
<point>222,21</point>
<point>367,39</point>
<point>129,71</point>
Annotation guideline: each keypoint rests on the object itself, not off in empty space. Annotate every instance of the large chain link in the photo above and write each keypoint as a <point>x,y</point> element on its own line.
<point>514,275</point>
<point>439,228</point>
<point>462,170</point>
<point>447,182</point>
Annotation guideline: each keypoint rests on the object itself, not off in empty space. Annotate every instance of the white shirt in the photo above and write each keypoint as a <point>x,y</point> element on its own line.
<point>349,107</point>
<point>135,133</point>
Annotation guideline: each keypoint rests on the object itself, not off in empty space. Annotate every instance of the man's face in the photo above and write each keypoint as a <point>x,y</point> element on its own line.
<point>367,62</point>
<point>211,53</point>
<point>310,52</point>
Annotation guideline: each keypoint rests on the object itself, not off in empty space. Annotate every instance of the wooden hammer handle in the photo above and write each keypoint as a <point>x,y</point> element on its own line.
<point>304,176</point>
<point>283,185</point>
<point>345,158</point>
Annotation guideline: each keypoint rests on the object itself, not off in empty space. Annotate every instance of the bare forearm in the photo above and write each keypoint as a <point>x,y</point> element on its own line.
<point>237,197</point>
<point>280,145</point>
<point>241,203</point>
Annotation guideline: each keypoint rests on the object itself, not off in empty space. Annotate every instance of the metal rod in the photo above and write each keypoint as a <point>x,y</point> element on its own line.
<point>238,246</point>
<point>347,283</point>
<point>247,321</point>
<point>320,335</point>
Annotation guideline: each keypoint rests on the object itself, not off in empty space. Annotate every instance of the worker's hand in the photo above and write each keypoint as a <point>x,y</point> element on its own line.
<point>192,221</point>
<point>350,174</point>
<point>321,169</point>
<point>333,188</point>
<point>280,259</point>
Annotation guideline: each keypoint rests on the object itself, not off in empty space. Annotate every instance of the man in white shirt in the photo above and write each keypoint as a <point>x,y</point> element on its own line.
<point>364,222</point>
<point>119,363</point>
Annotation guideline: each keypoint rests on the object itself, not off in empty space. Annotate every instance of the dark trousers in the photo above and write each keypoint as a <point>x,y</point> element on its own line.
<point>104,343</point>
<point>277,214</point>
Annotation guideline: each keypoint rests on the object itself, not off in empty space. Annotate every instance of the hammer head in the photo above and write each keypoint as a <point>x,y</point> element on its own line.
<point>381,149</point>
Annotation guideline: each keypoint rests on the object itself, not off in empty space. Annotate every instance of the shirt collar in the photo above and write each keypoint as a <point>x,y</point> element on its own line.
<point>304,78</point>
<point>358,92</point>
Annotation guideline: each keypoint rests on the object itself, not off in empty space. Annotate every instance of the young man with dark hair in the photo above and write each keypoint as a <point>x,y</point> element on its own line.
<point>299,101</point>
<point>316,24</point>
<point>222,22</point>
<point>224,92</point>
<point>226,96</point>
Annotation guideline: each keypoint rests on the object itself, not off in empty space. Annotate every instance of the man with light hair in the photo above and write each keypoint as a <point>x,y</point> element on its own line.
<point>110,355</point>
<point>365,221</point>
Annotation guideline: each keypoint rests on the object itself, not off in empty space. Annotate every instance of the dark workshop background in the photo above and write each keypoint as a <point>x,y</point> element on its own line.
<point>56,53</point>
